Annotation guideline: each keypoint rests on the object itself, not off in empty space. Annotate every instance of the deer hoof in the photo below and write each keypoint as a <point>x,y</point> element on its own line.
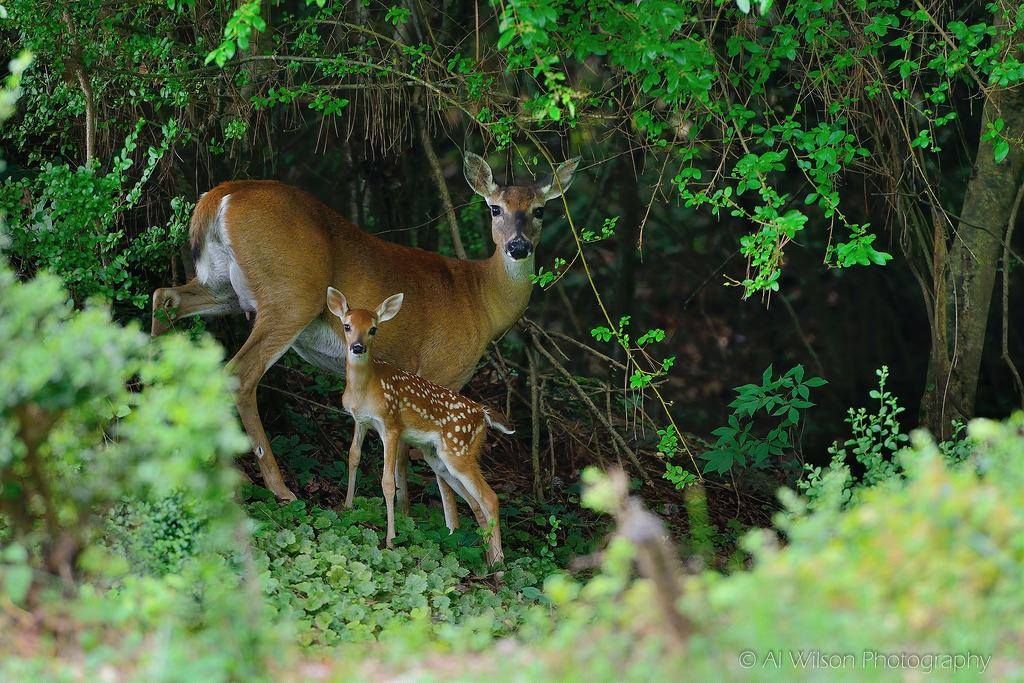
<point>285,495</point>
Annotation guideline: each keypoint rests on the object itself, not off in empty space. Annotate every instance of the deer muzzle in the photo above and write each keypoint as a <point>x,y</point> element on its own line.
<point>519,247</point>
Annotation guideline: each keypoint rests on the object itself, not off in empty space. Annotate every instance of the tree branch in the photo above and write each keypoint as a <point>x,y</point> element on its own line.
<point>442,186</point>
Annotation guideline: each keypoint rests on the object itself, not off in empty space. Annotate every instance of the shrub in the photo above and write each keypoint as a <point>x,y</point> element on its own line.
<point>875,441</point>
<point>921,565</point>
<point>92,413</point>
<point>69,221</point>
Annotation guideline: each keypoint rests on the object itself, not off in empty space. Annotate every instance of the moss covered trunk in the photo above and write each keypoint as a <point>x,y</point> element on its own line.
<point>966,259</point>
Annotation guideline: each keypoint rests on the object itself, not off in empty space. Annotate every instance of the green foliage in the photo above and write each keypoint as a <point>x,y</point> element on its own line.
<point>766,116</point>
<point>668,446</point>
<point>639,378</point>
<point>876,440</point>
<point>91,414</point>
<point>326,572</point>
<point>12,84</point>
<point>77,437</point>
<point>156,536</point>
<point>881,571</point>
<point>244,22</point>
<point>849,581</point>
<point>777,402</point>
<point>70,226</point>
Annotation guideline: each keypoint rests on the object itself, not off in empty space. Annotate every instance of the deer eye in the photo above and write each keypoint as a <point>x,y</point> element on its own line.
<point>495,210</point>
<point>348,328</point>
<point>538,212</point>
<point>373,330</point>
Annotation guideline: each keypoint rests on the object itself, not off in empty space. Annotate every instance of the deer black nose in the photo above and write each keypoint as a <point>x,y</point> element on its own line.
<point>358,348</point>
<point>519,248</point>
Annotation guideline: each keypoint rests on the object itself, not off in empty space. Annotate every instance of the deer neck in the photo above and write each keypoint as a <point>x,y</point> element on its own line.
<point>360,381</point>
<point>506,285</point>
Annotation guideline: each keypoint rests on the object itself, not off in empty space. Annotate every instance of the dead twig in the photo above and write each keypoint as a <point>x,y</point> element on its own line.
<point>531,356</point>
<point>594,410</point>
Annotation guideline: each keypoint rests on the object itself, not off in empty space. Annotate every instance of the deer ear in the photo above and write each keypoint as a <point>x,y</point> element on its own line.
<point>478,175</point>
<point>337,302</point>
<point>388,308</point>
<point>554,186</point>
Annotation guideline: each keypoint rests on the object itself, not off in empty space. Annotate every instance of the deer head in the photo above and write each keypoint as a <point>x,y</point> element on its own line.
<point>517,211</point>
<point>360,325</point>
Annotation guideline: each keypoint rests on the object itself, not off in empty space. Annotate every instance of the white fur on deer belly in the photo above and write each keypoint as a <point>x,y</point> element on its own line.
<point>319,345</point>
<point>419,439</point>
<point>241,286</point>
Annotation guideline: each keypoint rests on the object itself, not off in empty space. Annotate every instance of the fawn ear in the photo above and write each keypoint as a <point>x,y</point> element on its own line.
<point>337,302</point>
<point>478,175</point>
<point>388,308</point>
<point>554,186</point>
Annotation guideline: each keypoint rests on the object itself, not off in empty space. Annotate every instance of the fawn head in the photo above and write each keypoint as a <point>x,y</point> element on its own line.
<point>360,324</point>
<point>517,211</point>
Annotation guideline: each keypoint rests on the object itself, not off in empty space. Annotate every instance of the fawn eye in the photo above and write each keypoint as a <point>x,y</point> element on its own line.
<point>495,210</point>
<point>538,212</point>
<point>373,330</point>
<point>348,328</point>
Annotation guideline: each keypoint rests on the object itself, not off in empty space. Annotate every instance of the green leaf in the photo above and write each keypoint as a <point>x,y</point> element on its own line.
<point>1000,150</point>
<point>17,579</point>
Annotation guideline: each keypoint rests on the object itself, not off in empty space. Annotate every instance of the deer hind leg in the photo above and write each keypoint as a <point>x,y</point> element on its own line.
<point>267,342</point>
<point>457,486</point>
<point>446,484</point>
<point>402,479</point>
<point>467,470</point>
<point>448,503</point>
<point>451,512</point>
<point>174,303</point>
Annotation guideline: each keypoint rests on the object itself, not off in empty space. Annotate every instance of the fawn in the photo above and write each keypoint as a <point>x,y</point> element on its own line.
<point>402,407</point>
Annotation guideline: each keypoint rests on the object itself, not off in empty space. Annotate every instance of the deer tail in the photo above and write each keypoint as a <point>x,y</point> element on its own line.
<point>498,421</point>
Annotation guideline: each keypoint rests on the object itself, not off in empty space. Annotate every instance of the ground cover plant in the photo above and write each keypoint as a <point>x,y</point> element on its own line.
<point>767,404</point>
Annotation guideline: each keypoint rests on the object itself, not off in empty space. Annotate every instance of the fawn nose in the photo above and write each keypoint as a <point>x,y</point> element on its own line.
<point>519,248</point>
<point>358,349</point>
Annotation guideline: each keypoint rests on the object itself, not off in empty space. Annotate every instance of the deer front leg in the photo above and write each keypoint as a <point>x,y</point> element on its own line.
<point>387,483</point>
<point>355,451</point>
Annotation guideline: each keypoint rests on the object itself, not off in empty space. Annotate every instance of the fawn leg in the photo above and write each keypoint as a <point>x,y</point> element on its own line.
<point>387,483</point>
<point>402,478</point>
<point>446,484</point>
<point>467,470</point>
<point>355,451</point>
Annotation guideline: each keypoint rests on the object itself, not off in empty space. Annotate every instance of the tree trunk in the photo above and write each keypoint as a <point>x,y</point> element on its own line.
<point>965,267</point>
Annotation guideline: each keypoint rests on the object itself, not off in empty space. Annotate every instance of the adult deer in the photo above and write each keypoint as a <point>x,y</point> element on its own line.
<point>270,249</point>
